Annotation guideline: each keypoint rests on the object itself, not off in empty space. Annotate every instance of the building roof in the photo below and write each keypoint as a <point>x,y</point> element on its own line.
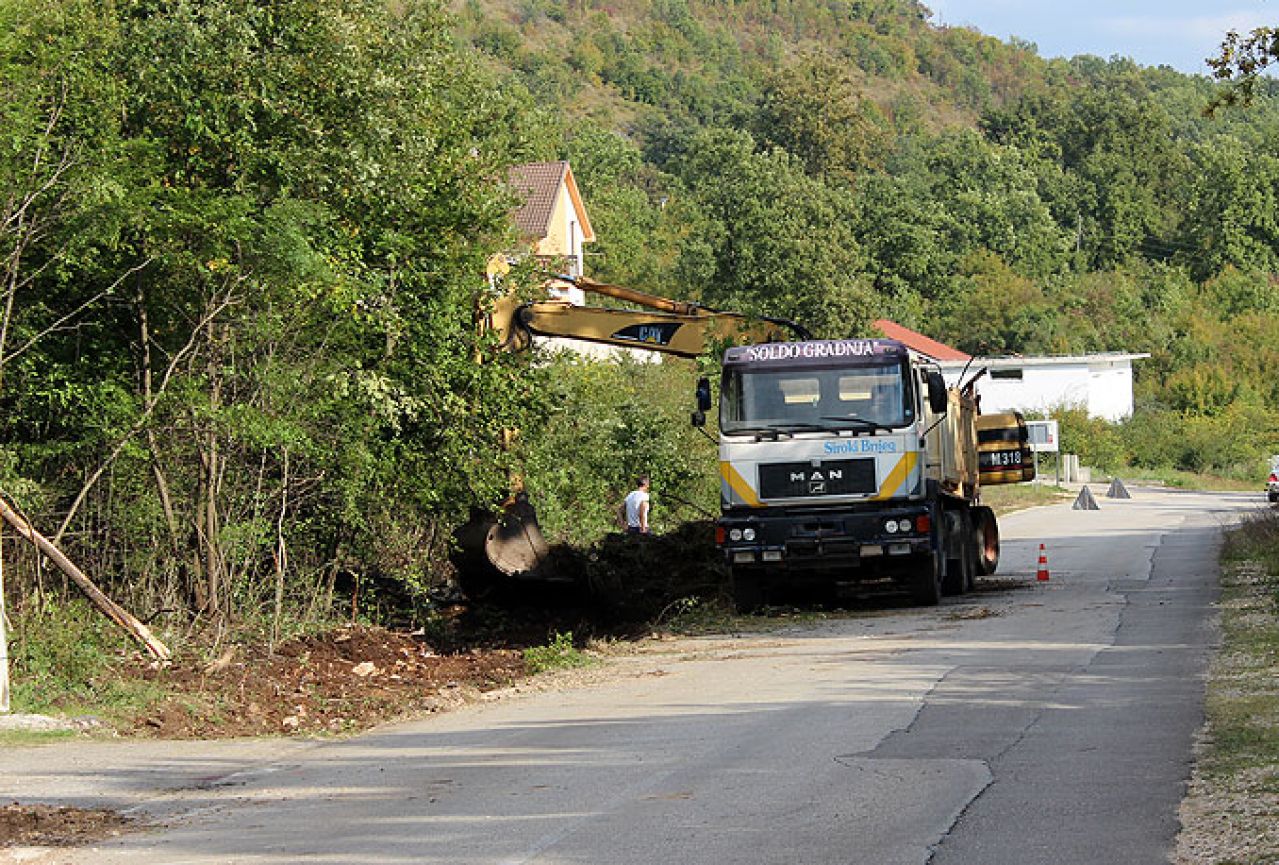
<point>1106,357</point>
<point>918,342</point>
<point>538,184</point>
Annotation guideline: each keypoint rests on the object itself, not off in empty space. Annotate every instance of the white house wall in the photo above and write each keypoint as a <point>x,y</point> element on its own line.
<point>1101,385</point>
<point>1040,389</point>
<point>596,350</point>
<point>1110,392</point>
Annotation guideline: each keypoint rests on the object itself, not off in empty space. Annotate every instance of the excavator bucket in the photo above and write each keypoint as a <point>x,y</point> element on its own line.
<point>497,547</point>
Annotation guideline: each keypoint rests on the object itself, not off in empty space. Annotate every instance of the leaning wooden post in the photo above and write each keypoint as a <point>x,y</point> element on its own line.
<point>4,637</point>
<point>109,608</point>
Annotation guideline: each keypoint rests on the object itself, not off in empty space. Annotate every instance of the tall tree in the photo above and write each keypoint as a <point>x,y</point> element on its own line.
<point>775,241</point>
<point>815,109</point>
<point>1241,62</point>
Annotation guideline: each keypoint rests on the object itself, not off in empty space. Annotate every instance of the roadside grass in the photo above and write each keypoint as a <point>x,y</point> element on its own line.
<point>694,617</point>
<point>558,654</point>
<point>65,659</point>
<point>1229,815</point>
<point>1006,498</point>
<point>704,617</point>
<point>1244,690</point>
<point>13,738</point>
<point>1178,479</point>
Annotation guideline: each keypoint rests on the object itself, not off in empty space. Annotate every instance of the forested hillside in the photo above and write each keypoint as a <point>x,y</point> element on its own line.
<point>242,242</point>
<point>839,161</point>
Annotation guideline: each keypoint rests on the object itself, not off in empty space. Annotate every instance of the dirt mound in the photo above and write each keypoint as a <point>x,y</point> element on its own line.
<point>51,826</point>
<point>344,680</point>
<point>634,577</point>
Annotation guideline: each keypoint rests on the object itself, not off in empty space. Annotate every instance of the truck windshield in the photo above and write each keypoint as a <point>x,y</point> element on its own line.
<point>858,398</point>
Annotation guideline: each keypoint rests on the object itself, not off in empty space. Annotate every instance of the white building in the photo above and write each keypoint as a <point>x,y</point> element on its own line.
<point>1099,383</point>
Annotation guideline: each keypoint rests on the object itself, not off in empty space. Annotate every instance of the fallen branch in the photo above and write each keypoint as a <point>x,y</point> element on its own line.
<point>108,607</point>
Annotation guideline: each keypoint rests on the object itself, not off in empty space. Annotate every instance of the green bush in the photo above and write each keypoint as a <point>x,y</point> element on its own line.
<point>1233,443</point>
<point>1095,440</point>
<point>559,654</point>
<point>600,424</point>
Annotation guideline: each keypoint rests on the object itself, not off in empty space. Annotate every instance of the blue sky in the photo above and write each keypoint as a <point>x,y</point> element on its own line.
<point>1177,33</point>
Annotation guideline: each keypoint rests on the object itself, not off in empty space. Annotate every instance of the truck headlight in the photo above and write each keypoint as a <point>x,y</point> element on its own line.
<point>891,527</point>
<point>734,534</point>
<point>904,525</point>
<point>748,534</point>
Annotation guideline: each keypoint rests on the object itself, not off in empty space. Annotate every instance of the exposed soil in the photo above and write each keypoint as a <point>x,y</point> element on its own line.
<point>345,680</point>
<point>356,677</point>
<point>51,826</point>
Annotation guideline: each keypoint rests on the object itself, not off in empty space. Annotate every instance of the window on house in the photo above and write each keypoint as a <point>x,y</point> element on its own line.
<point>1008,374</point>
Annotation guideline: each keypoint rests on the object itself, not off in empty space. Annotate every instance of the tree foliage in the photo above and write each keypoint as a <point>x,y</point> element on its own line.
<point>287,379</point>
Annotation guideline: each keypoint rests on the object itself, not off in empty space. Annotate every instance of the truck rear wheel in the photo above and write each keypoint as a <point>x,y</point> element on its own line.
<point>985,540</point>
<point>925,586</point>
<point>959,553</point>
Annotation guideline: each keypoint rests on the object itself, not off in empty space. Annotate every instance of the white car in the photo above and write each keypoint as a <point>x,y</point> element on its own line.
<point>1272,483</point>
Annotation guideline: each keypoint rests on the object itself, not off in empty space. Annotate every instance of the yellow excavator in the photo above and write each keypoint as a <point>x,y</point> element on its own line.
<point>510,545</point>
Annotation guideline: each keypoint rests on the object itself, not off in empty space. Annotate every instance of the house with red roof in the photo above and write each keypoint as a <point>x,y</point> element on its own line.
<point>551,218</point>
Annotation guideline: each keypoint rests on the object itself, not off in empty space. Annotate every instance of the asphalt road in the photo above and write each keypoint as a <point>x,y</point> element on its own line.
<point>1027,723</point>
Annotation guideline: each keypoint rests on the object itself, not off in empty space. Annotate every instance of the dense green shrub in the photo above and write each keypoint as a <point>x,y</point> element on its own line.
<point>601,425</point>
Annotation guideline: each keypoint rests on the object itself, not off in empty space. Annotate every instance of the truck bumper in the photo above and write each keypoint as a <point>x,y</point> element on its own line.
<point>866,541</point>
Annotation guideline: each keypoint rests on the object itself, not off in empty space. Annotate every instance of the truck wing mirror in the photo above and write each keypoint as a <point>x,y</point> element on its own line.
<point>703,394</point>
<point>937,399</point>
<point>703,402</point>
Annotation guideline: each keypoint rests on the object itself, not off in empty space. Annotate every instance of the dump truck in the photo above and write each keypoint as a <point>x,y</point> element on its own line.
<point>850,463</point>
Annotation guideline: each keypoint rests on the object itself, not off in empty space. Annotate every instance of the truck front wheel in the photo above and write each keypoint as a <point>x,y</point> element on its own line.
<point>925,587</point>
<point>748,591</point>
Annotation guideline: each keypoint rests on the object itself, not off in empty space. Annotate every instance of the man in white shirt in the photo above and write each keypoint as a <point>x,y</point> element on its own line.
<point>637,508</point>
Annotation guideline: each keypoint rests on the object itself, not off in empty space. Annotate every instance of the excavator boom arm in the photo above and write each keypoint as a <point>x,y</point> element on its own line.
<point>674,333</point>
<point>512,545</point>
<point>670,326</point>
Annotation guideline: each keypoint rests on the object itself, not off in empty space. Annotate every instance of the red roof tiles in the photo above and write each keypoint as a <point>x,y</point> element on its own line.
<point>918,342</point>
<point>538,183</point>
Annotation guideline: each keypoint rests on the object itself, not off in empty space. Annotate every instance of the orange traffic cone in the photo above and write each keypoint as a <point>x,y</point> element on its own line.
<point>1042,574</point>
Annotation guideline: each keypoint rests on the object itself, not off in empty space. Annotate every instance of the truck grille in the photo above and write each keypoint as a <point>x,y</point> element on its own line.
<point>805,480</point>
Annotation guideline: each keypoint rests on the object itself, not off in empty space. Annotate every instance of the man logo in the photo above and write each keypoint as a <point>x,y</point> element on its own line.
<point>817,480</point>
